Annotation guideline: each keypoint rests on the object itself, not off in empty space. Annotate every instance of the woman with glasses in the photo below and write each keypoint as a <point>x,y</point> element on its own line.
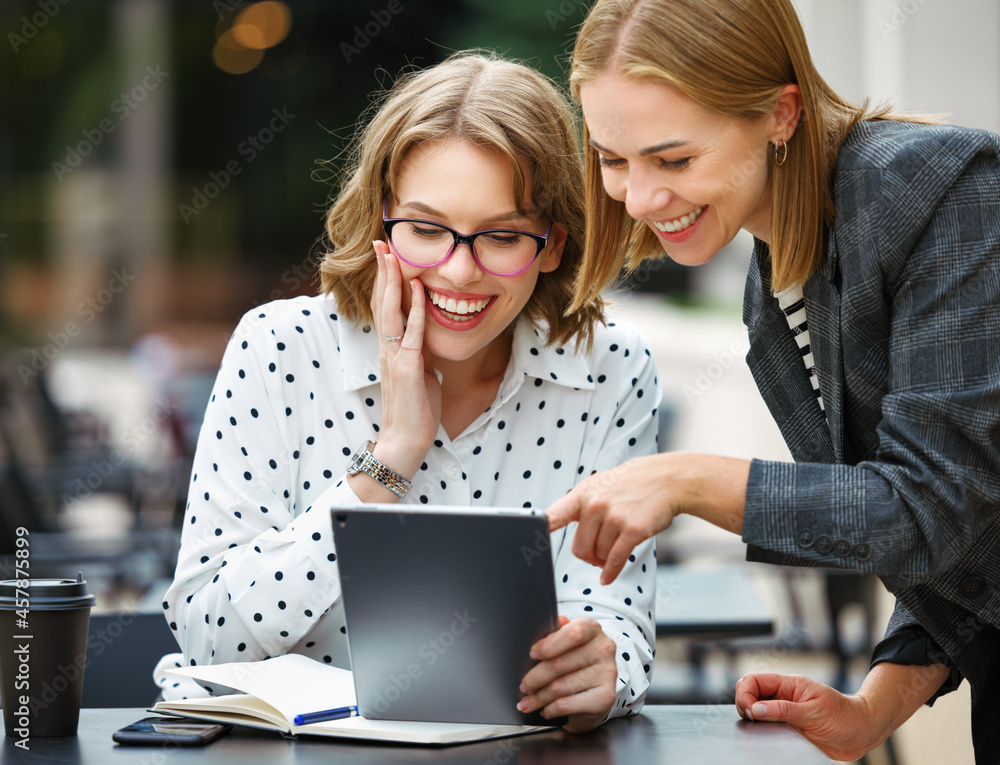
<point>438,366</point>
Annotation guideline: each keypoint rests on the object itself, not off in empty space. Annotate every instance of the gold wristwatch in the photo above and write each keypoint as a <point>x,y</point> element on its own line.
<point>364,462</point>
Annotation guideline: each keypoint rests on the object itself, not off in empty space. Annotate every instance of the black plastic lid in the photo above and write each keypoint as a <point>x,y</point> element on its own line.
<point>46,594</point>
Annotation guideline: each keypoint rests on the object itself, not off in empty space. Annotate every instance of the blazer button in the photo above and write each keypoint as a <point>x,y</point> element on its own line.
<point>824,543</point>
<point>862,551</point>
<point>972,586</point>
<point>842,548</point>
<point>805,538</point>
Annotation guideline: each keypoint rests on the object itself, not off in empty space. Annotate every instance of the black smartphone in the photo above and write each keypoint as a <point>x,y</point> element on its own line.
<point>170,731</point>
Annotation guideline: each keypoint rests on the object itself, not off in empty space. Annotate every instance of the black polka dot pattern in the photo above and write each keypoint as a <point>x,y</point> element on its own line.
<point>298,392</point>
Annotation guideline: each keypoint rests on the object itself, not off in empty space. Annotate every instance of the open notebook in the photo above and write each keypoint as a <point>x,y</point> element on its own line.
<point>276,690</point>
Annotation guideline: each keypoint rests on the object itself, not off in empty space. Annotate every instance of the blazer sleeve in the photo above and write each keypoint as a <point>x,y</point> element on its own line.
<point>926,497</point>
<point>906,641</point>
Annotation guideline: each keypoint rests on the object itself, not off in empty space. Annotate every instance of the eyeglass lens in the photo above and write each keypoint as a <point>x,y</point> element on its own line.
<point>424,244</point>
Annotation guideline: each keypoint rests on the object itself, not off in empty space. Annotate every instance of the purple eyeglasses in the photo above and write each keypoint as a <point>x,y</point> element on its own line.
<point>498,251</point>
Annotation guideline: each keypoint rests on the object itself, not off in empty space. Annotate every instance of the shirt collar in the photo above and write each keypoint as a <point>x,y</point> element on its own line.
<point>530,357</point>
<point>358,356</point>
<point>555,364</point>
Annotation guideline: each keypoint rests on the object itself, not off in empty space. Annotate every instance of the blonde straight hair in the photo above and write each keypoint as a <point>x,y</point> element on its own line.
<point>734,56</point>
<point>497,105</point>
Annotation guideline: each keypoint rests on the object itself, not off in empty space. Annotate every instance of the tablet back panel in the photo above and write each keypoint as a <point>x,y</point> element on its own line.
<point>442,607</point>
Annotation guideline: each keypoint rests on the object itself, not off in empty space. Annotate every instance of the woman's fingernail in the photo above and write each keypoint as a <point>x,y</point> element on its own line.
<point>524,705</point>
<point>748,713</point>
<point>759,711</point>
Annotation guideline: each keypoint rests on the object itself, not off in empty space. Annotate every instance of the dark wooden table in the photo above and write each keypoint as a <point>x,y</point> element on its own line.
<point>686,735</point>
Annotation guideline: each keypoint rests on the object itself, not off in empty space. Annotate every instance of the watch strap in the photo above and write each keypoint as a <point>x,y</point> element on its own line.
<point>386,476</point>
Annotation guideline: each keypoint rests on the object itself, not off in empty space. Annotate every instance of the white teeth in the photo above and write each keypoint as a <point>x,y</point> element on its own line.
<point>460,308</point>
<point>685,221</point>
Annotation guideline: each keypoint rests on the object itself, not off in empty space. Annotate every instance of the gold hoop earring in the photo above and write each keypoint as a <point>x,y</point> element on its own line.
<point>780,152</point>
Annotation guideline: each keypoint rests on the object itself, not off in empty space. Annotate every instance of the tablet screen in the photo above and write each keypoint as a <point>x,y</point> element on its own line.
<point>442,606</point>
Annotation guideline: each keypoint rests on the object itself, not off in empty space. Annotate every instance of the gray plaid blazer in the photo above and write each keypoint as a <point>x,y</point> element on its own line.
<point>902,476</point>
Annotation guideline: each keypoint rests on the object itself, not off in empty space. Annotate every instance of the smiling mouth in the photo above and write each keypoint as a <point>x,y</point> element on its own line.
<point>679,224</point>
<point>458,310</point>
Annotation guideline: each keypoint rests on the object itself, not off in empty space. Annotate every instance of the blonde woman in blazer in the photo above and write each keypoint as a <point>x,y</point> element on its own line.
<point>873,310</point>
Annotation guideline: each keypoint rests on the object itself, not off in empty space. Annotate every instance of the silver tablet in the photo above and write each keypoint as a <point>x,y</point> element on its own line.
<point>442,606</point>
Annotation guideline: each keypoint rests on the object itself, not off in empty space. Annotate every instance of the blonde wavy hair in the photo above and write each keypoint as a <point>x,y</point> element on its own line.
<point>734,56</point>
<point>493,103</point>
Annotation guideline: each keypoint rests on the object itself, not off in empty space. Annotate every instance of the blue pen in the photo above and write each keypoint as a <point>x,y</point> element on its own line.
<point>325,715</point>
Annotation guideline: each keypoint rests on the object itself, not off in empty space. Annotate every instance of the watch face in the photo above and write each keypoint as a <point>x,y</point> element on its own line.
<point>355,467</point>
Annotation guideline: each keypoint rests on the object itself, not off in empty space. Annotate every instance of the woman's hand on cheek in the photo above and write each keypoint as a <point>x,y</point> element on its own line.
<point>575,676</point>
<point>411,392</point>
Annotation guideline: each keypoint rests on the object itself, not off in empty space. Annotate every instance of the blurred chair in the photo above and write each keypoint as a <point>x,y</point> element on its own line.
<point>180,362</point>
<point>122,650</point>
<point>50,457</point>
<point>18,504</point>
<point>59,455</point>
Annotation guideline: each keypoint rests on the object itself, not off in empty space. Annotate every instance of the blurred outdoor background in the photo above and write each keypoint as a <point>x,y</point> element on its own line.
<point>164,167</point>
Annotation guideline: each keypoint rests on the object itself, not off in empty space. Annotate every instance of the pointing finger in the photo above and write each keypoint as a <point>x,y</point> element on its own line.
<point>563,511</point>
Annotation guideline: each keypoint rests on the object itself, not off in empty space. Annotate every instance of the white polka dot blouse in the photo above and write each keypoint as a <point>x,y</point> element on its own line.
<point>298,392</point>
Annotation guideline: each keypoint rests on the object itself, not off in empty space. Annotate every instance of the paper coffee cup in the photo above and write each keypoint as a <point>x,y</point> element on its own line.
<point>43,653</point>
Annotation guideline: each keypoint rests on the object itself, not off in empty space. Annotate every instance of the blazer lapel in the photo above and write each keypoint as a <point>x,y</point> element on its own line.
<point>822,297</point>
<point>777,367</point>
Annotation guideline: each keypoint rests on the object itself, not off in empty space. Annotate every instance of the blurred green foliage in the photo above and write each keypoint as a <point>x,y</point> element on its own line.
<point>62,80</point>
